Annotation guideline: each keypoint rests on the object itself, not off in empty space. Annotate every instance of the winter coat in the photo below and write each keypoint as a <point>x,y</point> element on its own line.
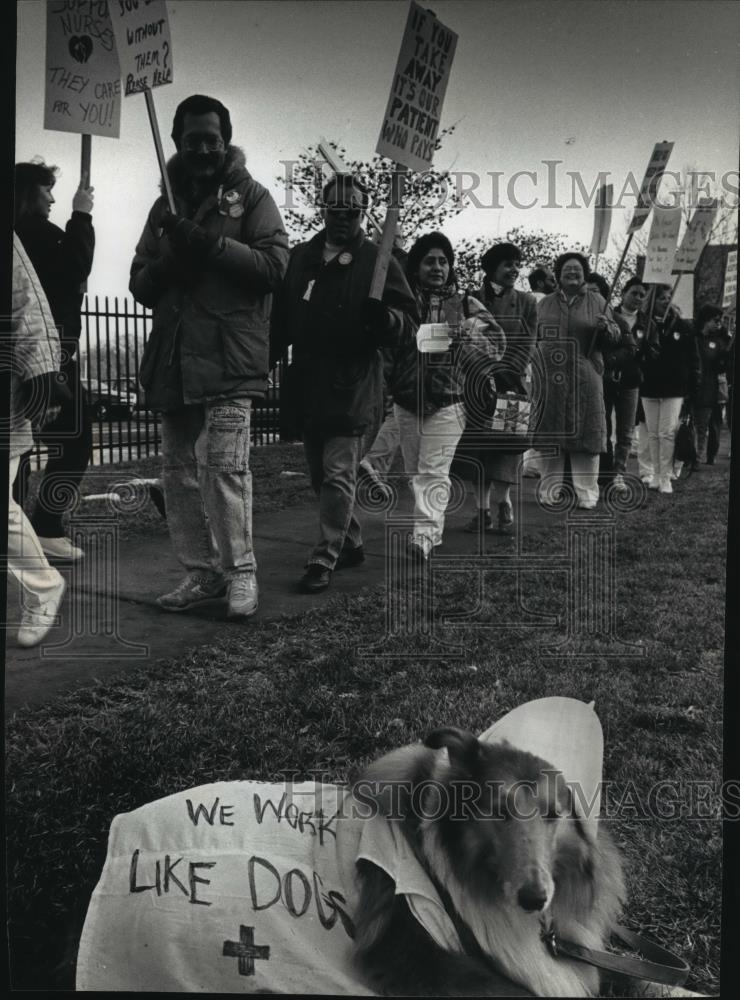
<point>714,352</point>
<point>334,385</point>
<point>62,259</point>
<point>424,383</point>
<point>516,314</point>
<point>34,344</point>
<point>569,358</point>
<point>669,358</point>
<point>620,361</point>
<point>210,333</point>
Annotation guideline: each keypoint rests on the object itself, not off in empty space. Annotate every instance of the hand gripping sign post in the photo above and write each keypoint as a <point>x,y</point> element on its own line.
<point>83,86</point>
<point>646,199</point>
<point>602,221</point>
<point>410,127</point>
<point>142,33</point>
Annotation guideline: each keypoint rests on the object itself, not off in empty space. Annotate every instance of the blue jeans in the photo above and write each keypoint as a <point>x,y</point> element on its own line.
<point>623,404</point>
<point>208,486</point>
<point>332,467</point>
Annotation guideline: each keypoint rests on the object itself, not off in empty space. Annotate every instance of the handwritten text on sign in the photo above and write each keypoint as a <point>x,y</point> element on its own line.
<point>83,86</point>
<point>696,236</point>
<point>662,244</point>
<point>730,290</point>
<point>411,124</point>
<point>144,48</point>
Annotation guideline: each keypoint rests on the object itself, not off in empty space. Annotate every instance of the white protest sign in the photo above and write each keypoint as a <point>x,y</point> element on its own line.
<point>412,115</point>
<point>650,184</point>
<point>142,33</point>
<point>662,244</point>
<point>83,86</point>
<point>602,218</point>
<point>696,236</point>
<point>730,287</point>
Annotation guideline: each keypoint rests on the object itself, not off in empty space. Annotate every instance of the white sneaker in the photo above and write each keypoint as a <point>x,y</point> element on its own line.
<point>652,484</point>
<point>243,596</point>
<point>37,622</point>
<point>195,590</point>
<point>619,484</point>
<point>665,486</point>
<point>586,504</point>
<point>61,548</point>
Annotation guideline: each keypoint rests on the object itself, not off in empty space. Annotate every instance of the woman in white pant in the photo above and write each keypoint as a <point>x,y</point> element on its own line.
<point>428,387</point>
<point>35,357</point>
<point>671,368</point>
<point>574,325</point>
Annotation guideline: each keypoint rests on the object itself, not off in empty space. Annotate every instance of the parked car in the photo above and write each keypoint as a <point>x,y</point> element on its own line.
<point>109,402</point>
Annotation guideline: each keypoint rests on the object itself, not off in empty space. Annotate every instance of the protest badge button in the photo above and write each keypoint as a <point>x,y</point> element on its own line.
<point>676,335</point>
<point>712,344</point>
<point>345,258</point>
<point>235,211</point>
<point>231,197</point>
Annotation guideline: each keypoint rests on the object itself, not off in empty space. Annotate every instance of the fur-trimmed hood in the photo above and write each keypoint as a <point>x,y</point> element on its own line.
<point>234,171</point>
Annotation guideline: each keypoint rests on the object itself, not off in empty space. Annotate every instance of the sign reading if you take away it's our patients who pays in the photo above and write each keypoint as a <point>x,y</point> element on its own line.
<point>650,184</point>
<point>144,48</point>
<point>696,236</point>
<point>411,123</point>
<point>83,85</point>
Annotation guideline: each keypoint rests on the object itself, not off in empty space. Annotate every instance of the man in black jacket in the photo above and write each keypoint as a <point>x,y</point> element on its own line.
<point>62,259</point>
<point>332,394</point>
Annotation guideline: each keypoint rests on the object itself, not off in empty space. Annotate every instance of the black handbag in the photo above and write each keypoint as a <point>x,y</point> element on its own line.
<point>684,449</point>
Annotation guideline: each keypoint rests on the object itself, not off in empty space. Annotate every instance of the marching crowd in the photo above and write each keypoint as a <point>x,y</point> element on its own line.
<point>487,384</point>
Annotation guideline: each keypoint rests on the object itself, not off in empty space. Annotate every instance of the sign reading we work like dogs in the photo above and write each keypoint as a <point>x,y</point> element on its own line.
<point>412,115</point>
<point>232,887</point>
<point>83,86</point>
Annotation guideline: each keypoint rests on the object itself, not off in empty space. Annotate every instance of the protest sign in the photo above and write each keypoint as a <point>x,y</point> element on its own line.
<point>602,218</point>
<point>650,184</point>
<point>729,294</point>
<point>696,236</point>
<point>83,86</point>
<point>142,33</point>
<point>662,244</point>
<point>411,123</point>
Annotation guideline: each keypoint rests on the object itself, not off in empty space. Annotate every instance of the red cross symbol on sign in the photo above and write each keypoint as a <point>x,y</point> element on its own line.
<point>246,950</point>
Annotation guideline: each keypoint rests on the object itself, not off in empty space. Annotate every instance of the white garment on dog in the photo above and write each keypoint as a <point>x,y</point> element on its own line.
<point>237,887</point>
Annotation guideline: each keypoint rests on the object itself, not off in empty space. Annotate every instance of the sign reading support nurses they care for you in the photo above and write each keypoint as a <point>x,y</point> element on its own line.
<point>144,48</point>
<point>83,86</point>
<point>412,116</point>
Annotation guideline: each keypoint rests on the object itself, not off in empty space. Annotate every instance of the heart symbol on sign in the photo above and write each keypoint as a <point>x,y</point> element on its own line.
<point>80,47</point>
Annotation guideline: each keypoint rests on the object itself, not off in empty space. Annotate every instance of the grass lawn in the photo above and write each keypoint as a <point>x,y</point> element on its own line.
<point>297,694</point>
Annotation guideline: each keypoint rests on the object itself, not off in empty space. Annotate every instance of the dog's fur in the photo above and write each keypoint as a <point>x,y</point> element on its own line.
<point>498,872</point>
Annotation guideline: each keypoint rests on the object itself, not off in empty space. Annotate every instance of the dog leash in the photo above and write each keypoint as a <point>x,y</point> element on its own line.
<point>658,966</point>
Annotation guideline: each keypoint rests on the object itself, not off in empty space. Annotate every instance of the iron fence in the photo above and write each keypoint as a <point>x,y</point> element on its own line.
<point>114,334</point>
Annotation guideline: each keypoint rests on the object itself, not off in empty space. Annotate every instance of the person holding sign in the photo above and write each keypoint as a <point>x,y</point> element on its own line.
<point>436,382</point>
<point>714,345</point>
<point>208,272</point>
<point>671,368</point>
<point>572,406</point>
<point>332,394</point>
<point>62,259</point>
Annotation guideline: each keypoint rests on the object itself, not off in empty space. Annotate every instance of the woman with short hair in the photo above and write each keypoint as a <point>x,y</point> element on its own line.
<point>714,345</point>
<point>574,327</point>
<point>431,388</point>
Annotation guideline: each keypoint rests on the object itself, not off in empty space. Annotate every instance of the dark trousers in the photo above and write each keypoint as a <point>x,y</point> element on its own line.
<point>708,421</point>
<point>69,440</point>
<point>332,466</point>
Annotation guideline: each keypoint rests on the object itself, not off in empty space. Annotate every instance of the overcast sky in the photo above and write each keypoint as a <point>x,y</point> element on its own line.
<point>591,83</point>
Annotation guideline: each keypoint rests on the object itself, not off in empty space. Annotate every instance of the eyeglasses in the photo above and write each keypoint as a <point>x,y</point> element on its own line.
<point>212,143</point>
<point>350,213</point>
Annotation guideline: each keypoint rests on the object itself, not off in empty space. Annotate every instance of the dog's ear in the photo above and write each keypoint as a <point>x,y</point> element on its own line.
<point>462,746</point>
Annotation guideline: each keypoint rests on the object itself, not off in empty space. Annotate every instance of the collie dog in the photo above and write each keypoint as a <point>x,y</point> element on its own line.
<point>502,838</point>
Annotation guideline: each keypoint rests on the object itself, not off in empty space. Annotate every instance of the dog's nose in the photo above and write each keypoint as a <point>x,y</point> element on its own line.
<point>531,897</point>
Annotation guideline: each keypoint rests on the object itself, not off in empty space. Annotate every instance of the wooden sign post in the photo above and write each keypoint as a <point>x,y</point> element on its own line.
<point>408,135</point>
<point>145,52</point>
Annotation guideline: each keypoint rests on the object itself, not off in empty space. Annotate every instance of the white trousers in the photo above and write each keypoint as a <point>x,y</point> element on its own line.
<point>644,461</point>
<point>662,418</point>
<point>428,446</point>
<point>27,563</point>
<point>584,468</point>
